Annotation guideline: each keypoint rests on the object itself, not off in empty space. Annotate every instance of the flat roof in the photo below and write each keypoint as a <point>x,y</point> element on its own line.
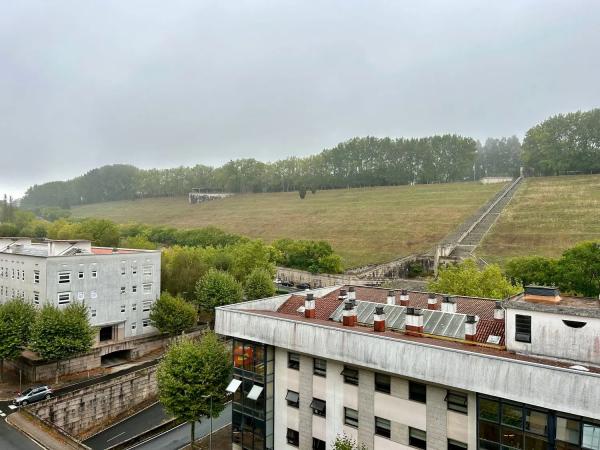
<point>576,306</point>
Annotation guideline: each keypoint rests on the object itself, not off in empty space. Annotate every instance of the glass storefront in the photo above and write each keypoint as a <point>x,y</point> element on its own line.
<point>252,419</point>
<point>506,425</point>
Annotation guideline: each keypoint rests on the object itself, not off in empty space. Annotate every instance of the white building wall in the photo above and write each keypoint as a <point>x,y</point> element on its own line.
<point>551,337</point>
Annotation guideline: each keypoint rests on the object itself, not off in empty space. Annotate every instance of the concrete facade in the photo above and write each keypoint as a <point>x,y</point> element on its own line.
<point>406,413</point>
<point>118,286</point>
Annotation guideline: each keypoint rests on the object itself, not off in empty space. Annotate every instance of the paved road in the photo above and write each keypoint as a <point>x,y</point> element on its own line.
<point>12,439</point>
<point>134,425</point>
<point>180,436</point>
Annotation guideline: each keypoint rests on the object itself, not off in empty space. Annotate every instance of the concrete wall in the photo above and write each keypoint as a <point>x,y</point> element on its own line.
<point>543,385</point>
<point>102,294</point>
<point>85,411</point>
<point>551,337</point>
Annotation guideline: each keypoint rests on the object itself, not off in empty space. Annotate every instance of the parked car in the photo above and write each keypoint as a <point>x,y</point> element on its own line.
<point>32,395</point>
<point>303,285</point>
<point>277,280</point>
<point>287,284</point>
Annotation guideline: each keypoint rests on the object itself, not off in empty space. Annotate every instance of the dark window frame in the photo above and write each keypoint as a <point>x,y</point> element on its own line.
<point>351,375</point>
<point>293,361</point>
<point>384,387</point>
<point>319,407</point>
<point>523,328</point>
<point>415,441</point>
<point>292,437</point>
<point>383,427</point>
<point>291,403</point>
<point>319,371</point>
<point>455,403</point>
<point>417,392</point>
<point>318,444</point>
<point>350,421</point>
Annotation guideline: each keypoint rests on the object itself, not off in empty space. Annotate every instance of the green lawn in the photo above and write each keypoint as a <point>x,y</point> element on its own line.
<point>364,226</point>
<point>546,216</point>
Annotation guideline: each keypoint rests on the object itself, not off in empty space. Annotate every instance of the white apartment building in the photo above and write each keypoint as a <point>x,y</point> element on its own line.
<point>400,370</point>
<point>117,285</point>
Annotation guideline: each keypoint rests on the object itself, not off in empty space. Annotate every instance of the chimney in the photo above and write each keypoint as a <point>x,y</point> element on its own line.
<point>379,319</point>
<point>414,322</point>
<point>498,312</point>
<point>351,293</point>
<point>309,306</point>
<point>343,294</point>
<point>541,294</point>
<point>470,328</point>
<point>391,298</point>
<point>349,314</point>
<point>404,300</point>
<point>449,304</point>
<point>432,302</point>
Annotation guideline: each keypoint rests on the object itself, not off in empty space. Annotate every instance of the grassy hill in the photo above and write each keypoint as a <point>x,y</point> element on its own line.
<point>364,226</point>
<point>546,216</point>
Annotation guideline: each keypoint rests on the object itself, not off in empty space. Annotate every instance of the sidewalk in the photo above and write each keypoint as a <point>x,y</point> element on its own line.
<point>46,438</point>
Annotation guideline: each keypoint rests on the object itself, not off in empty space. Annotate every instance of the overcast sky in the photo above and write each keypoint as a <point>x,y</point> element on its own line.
<point>167,83</point>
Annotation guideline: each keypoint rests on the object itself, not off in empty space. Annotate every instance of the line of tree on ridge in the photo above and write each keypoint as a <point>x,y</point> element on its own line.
<point>567,143</point>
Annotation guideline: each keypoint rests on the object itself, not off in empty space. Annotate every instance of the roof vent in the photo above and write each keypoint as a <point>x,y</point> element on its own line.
<point>541,294</point>
<point>351,293</point>
<point>449,304</point>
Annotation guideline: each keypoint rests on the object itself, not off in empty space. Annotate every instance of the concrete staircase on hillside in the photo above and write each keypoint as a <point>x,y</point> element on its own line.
<point>462,242</point>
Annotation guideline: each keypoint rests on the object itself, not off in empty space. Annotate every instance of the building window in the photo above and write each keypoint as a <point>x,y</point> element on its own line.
<point>64,298</point>
<point>383,427</point>
<point>36,297</point>
<point>94,274</point>
<point>147,271</point>
<point>320,367</point>
<point>122,290</point>
<point>80,295</point>
<point>134,289</point>
<point>134,306</point>
<point>351,417</point>
<point>93,294</point>
<point>64,277</point>
<point>591,436</point>
<point>146,323</point>
<point>93,313</point>
<point>80,275</point>
<point>147,288</point>
<point>319,407</point>
<point>318,444</point>
<point>36,276</point>
<point>456,445</point>
<point>123,270</point>
<point>417,438</point>
<point>292,437</point>
<point>382,383</point>
<point>457,401</point>
<point>122,308</point>
<point>134,270</point>
<point>350,375</point>
<point>293,361</point>
<point>146,305</point>
<point>522,328</point>
<point>417,392</point>
<point>133,325</point>
<point>293,399</point>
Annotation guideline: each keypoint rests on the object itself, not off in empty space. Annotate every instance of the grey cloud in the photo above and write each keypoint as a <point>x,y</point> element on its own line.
<point>158,83</point>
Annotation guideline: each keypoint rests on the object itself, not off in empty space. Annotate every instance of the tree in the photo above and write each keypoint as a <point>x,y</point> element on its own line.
<point>467,279</point>
<point>302,192</point>
<point>259,284</point>
<point>192,378</point>
<point>173,315</point>
<point>533,270</point>
<point>181,268</point>
<point>59,334</point>
<point>16,319</point>
<point>579,269</point>
<point>217,288</point>
<point>345,442</point>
